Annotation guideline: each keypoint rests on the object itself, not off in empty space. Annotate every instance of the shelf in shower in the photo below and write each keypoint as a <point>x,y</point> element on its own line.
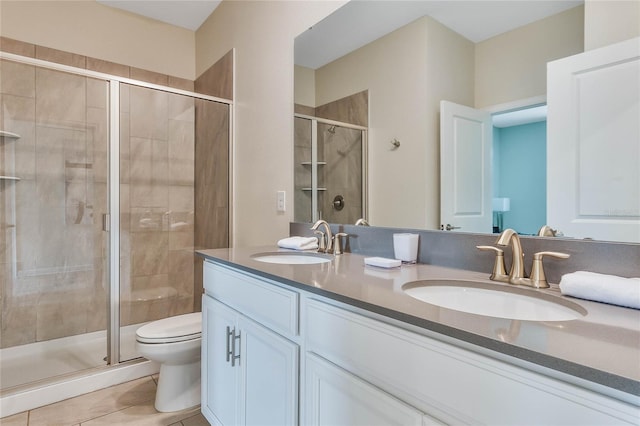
<point>9,135</point>
<point>13,178</point>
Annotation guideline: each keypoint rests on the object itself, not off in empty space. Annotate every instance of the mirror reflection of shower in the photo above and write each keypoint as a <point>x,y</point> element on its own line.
<point>330,160</point>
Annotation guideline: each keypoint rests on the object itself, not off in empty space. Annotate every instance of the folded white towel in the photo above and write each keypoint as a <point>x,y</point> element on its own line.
<point>299,243</point>
<point>602,288</point>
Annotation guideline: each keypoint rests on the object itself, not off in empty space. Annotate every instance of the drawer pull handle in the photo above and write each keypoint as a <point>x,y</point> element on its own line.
<point>235,356</point>
<point>229,350</point>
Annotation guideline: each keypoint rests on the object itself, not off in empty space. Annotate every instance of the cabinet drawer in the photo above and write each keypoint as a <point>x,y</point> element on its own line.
<point>260,300</point>
<point>335,397</point>
<point>450,383</point>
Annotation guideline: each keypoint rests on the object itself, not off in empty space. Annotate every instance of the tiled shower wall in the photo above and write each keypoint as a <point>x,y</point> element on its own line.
<point>342,175</point>
<point>212,164</point>
<point>94,64</point>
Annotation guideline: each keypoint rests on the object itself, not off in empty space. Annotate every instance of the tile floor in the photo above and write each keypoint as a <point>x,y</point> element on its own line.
<point>129,403</point>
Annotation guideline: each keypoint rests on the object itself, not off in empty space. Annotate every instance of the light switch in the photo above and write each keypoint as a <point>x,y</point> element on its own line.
<point>281,201</point>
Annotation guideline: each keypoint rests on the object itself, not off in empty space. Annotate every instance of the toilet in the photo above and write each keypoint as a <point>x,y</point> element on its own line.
<point>174,343</point>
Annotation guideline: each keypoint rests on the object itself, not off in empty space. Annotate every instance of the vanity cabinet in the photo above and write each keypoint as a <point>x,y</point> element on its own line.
<point>450,384</point>
<point>355,367</point>
<point>249,372</point>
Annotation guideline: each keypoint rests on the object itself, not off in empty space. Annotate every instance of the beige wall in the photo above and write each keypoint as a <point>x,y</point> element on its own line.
<point>608,22</point>
<point>393,70</point>
<point>513,66</point>
<point>262,34</point>
<point>88,28</point>
<point>305,86</point>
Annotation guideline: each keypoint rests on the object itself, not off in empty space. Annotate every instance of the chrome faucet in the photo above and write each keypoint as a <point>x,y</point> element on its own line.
<point>325,243</point>
<point>516,273</point>
<point>362,222</point>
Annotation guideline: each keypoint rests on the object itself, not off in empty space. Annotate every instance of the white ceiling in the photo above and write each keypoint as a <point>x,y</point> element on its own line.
<point>359,22</point>
<point>189,14</point>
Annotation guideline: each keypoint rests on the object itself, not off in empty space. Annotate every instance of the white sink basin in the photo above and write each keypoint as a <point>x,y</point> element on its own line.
<point>291,258</point>
<point>494,300</point>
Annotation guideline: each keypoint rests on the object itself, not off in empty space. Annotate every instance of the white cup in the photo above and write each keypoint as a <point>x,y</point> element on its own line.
<point>405,247</point>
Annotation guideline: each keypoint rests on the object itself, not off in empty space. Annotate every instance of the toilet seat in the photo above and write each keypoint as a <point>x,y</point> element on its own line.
<point>175,329</point>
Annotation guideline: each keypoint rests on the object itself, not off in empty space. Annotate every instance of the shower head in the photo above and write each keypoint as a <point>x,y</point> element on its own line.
<point>332,130</point>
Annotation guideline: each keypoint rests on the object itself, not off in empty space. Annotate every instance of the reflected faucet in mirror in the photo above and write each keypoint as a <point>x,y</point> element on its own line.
<point>362,222</point>
<point>547,231</point>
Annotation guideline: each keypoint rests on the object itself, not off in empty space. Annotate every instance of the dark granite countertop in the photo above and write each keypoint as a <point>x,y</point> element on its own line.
<point>602,348</point>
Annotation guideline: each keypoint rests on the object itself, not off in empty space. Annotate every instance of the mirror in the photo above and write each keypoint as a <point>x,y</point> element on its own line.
<point>409,57</point>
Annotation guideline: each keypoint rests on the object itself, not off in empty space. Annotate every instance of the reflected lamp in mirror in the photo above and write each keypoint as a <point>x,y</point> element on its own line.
<point>500,205</point>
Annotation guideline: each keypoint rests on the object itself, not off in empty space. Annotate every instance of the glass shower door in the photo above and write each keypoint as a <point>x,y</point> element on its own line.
<point>53,249</point>
<point>157,137</point>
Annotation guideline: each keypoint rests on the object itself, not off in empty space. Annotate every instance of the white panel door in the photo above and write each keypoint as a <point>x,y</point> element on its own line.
<point>219,378</point>
<point>466,137</point>
<point>593,143</point>
<point>269,379</point>
<point>336,397</point>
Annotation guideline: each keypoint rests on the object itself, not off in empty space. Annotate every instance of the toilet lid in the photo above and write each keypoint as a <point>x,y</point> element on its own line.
<point>172,329</point>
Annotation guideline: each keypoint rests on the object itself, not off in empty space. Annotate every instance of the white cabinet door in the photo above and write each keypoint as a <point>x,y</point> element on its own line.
<point>219,378</point>
<point>269,376</point>
<point>249,373</point>
<point>336,397</point>
<point>466,137</point>
<point>593,143</point>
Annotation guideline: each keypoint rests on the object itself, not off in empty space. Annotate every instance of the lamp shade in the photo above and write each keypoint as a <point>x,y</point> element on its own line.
<point>501,204</point>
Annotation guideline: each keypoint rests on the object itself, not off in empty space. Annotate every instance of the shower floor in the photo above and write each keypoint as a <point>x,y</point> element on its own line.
<point>24,364</point>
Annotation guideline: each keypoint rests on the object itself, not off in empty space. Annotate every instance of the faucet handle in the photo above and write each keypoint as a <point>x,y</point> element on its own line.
<point>337,246</point>
<point>538,278</point>
<point>321,243</point>
<point>499,272</point>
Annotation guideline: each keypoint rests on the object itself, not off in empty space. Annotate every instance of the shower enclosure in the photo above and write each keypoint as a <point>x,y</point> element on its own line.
<point>97,207</point>
<point>330,172</point>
